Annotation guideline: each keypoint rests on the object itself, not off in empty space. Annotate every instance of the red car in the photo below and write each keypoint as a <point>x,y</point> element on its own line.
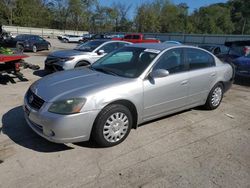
<point>137,38</point>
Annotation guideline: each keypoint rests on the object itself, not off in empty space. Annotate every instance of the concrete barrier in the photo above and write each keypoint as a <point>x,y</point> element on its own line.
<point>16,30</point>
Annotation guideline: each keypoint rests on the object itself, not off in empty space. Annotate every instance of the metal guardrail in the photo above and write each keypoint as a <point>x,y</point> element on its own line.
<point>194,39</point>
<point>41,31</point>
<point>199,38</point>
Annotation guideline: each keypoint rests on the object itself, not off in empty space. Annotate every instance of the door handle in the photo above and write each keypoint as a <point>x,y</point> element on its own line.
<point>184,82</point>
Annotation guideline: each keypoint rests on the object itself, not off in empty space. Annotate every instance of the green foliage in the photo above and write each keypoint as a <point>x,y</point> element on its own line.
<point>153,16</point>
<point>241,15</point>
<point>214,19</point>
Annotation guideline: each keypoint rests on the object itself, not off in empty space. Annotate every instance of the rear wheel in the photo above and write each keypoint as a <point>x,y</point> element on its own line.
<point>20,48</point>
<point>215,96</point>
<point>112,125</point>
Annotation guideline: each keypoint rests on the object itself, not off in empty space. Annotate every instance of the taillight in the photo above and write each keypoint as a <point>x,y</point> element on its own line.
<point>17,67</point>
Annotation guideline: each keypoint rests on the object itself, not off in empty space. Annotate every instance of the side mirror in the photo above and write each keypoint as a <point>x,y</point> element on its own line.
<point>100,52</point>
<point>159,73</point>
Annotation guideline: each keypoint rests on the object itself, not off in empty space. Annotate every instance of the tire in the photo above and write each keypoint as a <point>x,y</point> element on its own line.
<point>65,40</point>
<point>48,47</point>
<point>82,64</point>
<point>20,48</point>
<point>112,125</point>
<point>34,48</point>
<point>214,98</point>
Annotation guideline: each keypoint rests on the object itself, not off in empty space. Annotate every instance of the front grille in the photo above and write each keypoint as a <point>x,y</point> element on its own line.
<point>33,100</point>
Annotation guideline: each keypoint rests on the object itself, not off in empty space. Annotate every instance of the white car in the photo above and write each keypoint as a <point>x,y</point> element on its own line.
<point>71,38</point>
<point>83,55</point>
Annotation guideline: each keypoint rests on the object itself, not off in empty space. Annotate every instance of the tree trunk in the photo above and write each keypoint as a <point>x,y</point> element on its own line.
<point>243,27</point>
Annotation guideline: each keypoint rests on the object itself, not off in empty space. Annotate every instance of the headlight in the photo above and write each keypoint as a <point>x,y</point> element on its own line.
<point>69,106</point>
<point>66,59</point>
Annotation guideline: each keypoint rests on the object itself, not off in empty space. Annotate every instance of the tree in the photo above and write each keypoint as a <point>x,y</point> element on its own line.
<point>214,19</point>
<point>31,13</point>
<point>148,17</point>
<point>6,8</point>
<point>240,15</point>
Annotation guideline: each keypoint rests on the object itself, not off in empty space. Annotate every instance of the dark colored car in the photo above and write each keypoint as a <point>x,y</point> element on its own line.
<point>215,49</point>
<point>239,55</point>
<point>27,43</point>
<point>89,37</point>
<point>32,43</point>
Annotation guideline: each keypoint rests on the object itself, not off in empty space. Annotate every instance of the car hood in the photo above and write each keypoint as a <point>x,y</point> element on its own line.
<point>67,53</point>
<point>74,83</point>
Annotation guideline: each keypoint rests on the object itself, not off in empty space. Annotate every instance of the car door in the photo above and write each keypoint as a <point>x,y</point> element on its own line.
<point>166,94</point>
<point>38,42</point>
<point>202,74</point>
<point>44,44</point>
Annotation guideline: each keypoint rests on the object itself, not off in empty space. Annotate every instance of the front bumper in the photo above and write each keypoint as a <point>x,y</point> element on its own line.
<point>60,128</point>
<point>58,65</point>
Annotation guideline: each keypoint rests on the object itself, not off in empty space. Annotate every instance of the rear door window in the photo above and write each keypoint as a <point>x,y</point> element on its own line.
<point>136,37</point>
<point>198,59</point>
<point>128,37</point>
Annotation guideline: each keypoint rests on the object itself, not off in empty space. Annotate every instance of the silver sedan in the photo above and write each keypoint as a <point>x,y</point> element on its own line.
<point>127,87</point>
<point>83,55</point>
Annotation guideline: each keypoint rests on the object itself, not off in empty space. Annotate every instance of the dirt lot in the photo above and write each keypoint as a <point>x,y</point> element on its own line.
<point>195,148</point>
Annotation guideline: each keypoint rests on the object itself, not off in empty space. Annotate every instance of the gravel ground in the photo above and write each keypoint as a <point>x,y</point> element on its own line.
<point>194,148</point>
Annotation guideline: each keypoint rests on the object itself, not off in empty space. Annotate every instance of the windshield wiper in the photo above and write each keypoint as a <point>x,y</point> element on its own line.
<point>104,70</point>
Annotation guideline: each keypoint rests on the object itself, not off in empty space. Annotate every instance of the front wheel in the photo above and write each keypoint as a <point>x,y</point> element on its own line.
<point>49,47</point>
<point>65,40</point>
<point>112,125</point>
<point>82,64</point>
<point>215,96</point>
<point>34,48</point>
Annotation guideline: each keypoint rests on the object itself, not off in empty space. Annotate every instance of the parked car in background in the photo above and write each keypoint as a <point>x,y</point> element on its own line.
<point>27,42</point>
<point>83,55</point>
<point>70,38</point>
<point>129,86</point>
<point>239,55</point>
<point>94,37</point>
<point>171,42</point>
<point>215,49</point>
<point>32,43</point>
<point>137,38</point>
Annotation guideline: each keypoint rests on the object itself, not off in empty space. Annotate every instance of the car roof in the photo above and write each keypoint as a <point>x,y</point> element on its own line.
<point>172,42</point>
<point>238,43</point>
<point>211,45</point>
<point>110,41</point>
<point>29,35</point>
<point>155,46</point>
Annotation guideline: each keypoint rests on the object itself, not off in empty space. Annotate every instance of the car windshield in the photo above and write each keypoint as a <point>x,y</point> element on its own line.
<point>127,62</point>
<point>89,46</point>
